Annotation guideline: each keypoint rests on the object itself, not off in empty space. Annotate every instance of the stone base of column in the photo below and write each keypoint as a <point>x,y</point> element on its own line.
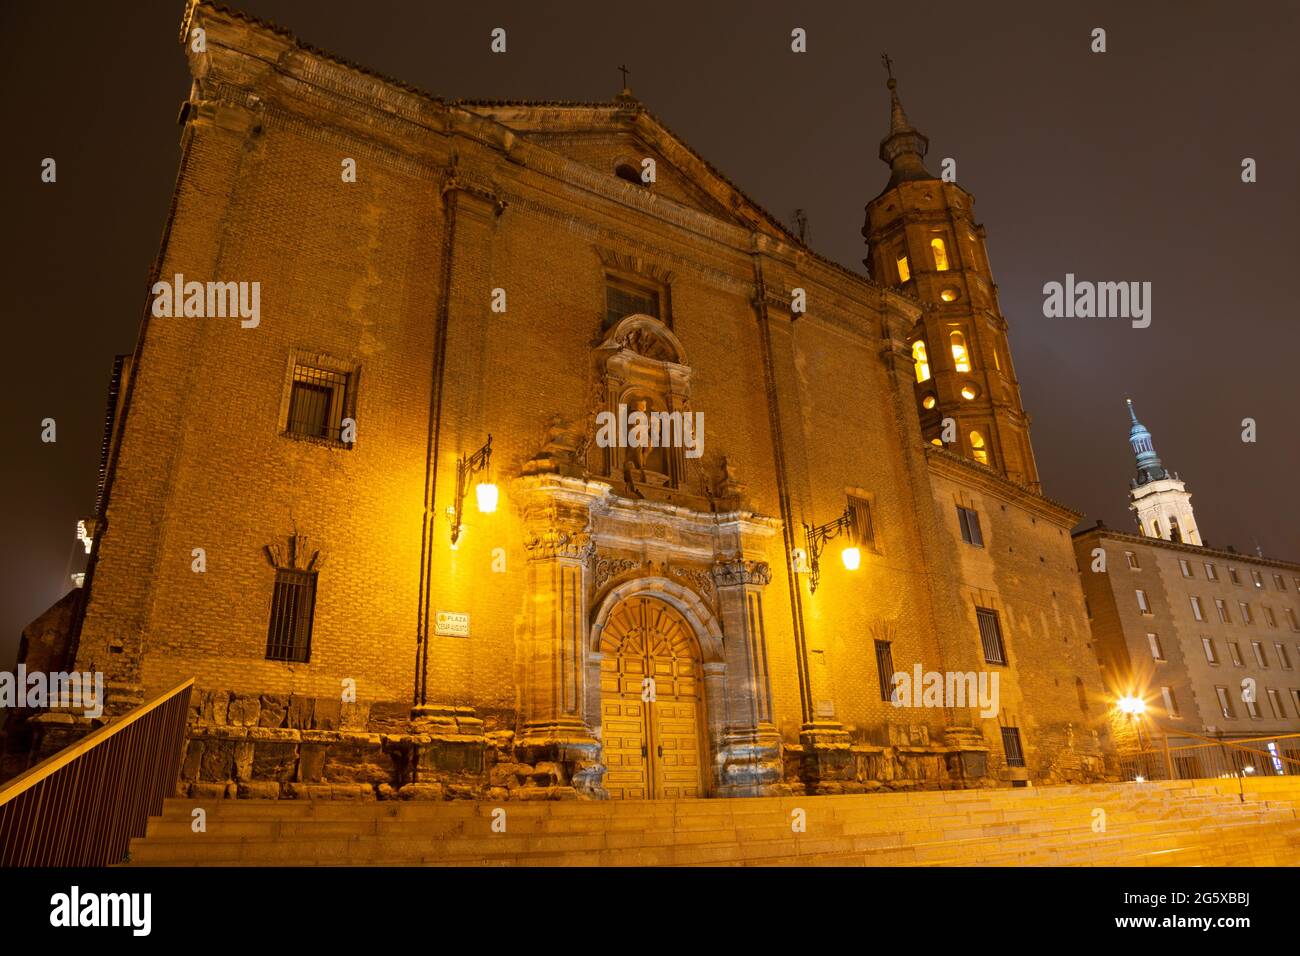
<point>827,762</point>
<point>749,763</point>
<point>569,745</point>
<point>446,739</point>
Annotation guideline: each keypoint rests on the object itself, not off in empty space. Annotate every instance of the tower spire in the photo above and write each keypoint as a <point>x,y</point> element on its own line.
<point>1149,465</point>
<point>1160,501</point>
<point>905,147</point>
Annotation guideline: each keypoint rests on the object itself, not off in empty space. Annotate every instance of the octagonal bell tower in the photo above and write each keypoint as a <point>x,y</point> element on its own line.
<point>923,239</point>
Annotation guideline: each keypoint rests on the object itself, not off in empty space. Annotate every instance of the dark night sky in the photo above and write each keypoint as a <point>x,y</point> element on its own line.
<point>1122,166</point>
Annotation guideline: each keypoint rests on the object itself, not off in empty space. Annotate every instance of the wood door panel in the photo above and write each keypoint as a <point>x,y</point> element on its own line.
<point>652,748</point>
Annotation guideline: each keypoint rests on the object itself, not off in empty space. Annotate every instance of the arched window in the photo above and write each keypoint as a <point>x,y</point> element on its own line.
<point>629,172</point>
<point>940,254</point>
<point>978,449</point>
<point>922,361</point>
<point>904,269</point>
<point>1155,527</point>
<point>960,357</point>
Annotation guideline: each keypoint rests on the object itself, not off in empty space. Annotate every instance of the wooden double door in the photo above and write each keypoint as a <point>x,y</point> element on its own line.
<point>650,701</point>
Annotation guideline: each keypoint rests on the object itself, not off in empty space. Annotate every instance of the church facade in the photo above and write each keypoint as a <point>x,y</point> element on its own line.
<point>404,525</point>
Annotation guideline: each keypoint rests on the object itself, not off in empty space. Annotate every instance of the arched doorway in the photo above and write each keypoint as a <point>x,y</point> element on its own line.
<point>651,702</point>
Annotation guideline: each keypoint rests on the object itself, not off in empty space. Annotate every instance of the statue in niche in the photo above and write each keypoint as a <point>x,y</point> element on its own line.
<point>645,459</point>
<point>559,451</point>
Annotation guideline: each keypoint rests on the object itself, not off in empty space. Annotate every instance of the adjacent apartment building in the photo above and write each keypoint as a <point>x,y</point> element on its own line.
<point>1208,638</point>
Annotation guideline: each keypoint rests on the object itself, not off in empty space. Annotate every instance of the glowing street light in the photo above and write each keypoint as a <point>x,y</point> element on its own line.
<point>486,493</point>
<point>1133,706</point>
<point>851,557</point>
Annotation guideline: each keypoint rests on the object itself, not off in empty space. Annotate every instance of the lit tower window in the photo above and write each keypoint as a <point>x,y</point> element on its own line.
<point>960,357</point>
<point>922,361</point>
<point>978,449</point>
<point>940,254</point>
<point>904,270</point>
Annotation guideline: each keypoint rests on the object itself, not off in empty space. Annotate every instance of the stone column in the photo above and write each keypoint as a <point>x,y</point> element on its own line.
<point>748,760</point>
<point>553,650</point>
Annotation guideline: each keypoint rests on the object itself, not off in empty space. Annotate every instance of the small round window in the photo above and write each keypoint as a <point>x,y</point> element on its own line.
<point>969,392</point>
<point>949,294</point>
<point>928,402</point>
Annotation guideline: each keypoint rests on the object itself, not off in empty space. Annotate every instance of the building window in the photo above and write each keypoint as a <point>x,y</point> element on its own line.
<point>1275,701</point>
<point>969,392</point>
<point>1233,577</point>
<point>921,360</point>
<point>1245,612</point>
<point>1132,561</point>
<point>1171,702</point>
<point>864,527</point>
<point>1234,652</point>
<point>1211,655</point>
<point>1157,652</point>
<point>940,254</point>
<point>293,603</point>
<point>1269,618</point>
<point>1283,657</point>
<point>1186,567</point>
<point>960,357</point>
<point>624,298</point>
<point>1295,699</point>
<point>1255,576</point>
<point>995,652</point>
<point>1280,582</point>
<point>969,520</point>
<point>1143,606</point>
<point>1291,619</point>
<point>1251,708</point>
<point>885,669</point>
<point>1210,573</point>
<point>1260,656</point>
<point>1225,703</point>
<point>1011,747</point>
<point>929,402</point>
<point>1223,611</point>
<point>1197,611</point>
<point>319,401</point>
<point>1155,527</point>
<point>904,269</point>
<point>977,449</point>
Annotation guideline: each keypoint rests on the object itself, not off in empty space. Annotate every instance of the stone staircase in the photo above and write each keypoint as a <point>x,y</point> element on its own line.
<point>1164,823</point>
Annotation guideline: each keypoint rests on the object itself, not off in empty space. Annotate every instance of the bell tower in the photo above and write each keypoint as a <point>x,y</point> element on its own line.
<point>923,239</point>
<point>1161,502</point>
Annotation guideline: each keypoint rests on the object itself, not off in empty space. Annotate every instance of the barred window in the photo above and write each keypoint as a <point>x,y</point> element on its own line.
<point>970,526</point>
<point>293,603</point>
<point>995,652</point>
<point>1011,747</point>
<point>623,299</point>
<point>885,668</point>
<point>864,527</point>
<point>318,403</point>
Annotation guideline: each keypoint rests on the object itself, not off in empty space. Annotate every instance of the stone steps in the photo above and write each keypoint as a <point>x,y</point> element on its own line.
<point>1164,823</point>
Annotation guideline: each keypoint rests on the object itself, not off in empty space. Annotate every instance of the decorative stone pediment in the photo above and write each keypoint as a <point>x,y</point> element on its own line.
<point>294,555</point>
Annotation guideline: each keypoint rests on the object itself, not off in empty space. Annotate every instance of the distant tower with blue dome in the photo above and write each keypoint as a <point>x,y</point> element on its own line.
<point>1161,502</point>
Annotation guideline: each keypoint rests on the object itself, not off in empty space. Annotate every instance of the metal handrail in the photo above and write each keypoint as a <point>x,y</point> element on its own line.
<point>83,805</point>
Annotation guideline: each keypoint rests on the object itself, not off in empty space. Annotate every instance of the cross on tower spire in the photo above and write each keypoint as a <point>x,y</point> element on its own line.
<point>625,71</point>
<point>889,64</point>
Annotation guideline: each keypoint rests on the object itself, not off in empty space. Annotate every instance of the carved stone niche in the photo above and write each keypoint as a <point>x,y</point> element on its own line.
<point>641,367</point>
